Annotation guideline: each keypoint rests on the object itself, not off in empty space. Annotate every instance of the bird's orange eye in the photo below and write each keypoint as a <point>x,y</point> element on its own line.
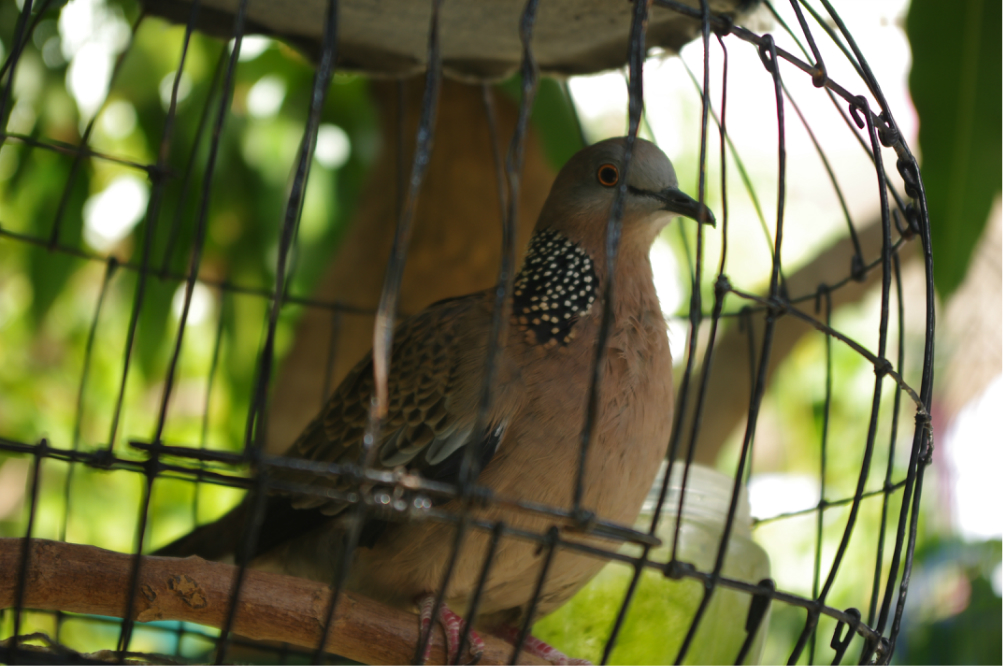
<point>608,175</point>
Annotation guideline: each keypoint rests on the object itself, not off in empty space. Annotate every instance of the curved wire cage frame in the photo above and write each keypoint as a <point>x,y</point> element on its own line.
<point>903,219</point>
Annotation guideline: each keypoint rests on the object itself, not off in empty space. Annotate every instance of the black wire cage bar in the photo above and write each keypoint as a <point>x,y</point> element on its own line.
<point>904,220</point>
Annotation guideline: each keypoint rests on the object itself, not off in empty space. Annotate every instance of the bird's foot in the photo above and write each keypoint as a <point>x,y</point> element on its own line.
<point>452,626</point>
<point>535,646</point>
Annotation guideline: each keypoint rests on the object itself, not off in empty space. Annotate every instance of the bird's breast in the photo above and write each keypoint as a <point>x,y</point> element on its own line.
<point>539,457</point>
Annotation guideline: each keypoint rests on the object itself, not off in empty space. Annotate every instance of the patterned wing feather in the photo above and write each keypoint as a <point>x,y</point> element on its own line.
<point>431,399</point>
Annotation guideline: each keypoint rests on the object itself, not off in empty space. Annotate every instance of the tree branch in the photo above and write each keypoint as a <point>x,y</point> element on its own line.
<point>729,387</point>
<point>273,607</point>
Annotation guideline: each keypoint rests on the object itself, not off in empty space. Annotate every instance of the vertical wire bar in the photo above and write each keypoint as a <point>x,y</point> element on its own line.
<point>614,223</point>
<point>440,595</point>
<point>257,497</point>
<point>858,252</point>
<point>720,290</point>
<point>110,268</point>
<point>758,607</point>
<point>22,34</point>
<point>351,541</point>
<point>210,384</point>
<point>487,97</point>
<point>204,430</point>
<point>475,601</point>
<point>768,53</point>
<point>503,290</point>
<point>175,230</point>
<point>399,152</point>
<point>882,345</point>
<point>696,304</point>
<point>527,622</point>
<point>21,37</point>
<point>503,287</point>
<point>889,468</point>
<point>621,614</point>
<point>78,157</point>
<point>510,209</point>
<point>158,175</point>
<point>250,420</point>
<point>256,430</point>
<point>224,102</point>
<point>321,82</point>
<point>151,468</point>
<point>24,564</point>
<point>357,511</point>
<point>914,474</point>
<point>739,164</point>
<point>332,355</point>
<point>911,547</point>
<point>705,101</point>
<point>20,40</point>
<point>386,313</point>
<point>879,372</point>
<point>922,437</point>
<point>811,622</point>
<point>640,562</point>
<point>198,245</point>
<point>823,297</point>
<point>695,317</point>
<point>782,164</point>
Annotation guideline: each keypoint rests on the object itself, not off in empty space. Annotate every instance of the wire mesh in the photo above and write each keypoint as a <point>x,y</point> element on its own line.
<point>190,192</point>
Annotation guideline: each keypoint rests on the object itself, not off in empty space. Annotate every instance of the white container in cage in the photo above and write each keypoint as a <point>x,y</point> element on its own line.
<point>666,607</point>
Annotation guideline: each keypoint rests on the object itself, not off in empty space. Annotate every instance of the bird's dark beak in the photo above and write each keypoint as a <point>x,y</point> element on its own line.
<point>682,203</point>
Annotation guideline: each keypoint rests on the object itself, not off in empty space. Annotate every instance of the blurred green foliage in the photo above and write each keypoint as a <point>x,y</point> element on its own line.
<point>955,83</point>
<point>49,300</point>
<point>954,615</point>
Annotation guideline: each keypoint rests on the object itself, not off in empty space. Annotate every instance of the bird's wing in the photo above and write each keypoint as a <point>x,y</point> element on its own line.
<point>433,391</point>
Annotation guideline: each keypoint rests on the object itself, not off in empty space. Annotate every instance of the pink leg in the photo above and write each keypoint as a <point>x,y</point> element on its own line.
<point>535,646</point>
<point>452,626</point>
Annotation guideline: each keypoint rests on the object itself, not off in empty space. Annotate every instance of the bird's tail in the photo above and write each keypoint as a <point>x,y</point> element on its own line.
<point>214,541</point>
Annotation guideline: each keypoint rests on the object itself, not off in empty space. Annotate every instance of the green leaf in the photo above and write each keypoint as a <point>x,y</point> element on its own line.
<point>50,270</point>
<point>553,117</point>
<point>955,86</point>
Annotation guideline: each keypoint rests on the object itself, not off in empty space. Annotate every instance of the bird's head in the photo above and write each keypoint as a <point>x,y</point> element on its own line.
<point>582,195</point>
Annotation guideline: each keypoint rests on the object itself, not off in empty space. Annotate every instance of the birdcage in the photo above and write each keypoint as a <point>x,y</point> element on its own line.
<point>117,431</point>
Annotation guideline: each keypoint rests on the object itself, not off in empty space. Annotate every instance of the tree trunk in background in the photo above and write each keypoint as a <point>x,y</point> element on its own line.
<point>455,248</point>
<point>729,386</point>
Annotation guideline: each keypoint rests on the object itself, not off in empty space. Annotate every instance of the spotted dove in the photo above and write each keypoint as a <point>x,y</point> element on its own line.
<point>529,447</point>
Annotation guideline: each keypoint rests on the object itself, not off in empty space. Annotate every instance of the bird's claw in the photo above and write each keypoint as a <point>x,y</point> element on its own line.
<point>452,626</point>
<point>536,647</point>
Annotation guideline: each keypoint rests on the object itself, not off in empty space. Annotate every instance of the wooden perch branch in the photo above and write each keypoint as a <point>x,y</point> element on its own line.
<point>273,607</point>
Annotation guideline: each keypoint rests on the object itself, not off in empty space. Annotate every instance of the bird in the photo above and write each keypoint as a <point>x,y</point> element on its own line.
<point>528,447</point>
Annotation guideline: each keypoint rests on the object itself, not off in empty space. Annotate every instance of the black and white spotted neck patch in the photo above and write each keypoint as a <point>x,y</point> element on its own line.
<point>556,286</point>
